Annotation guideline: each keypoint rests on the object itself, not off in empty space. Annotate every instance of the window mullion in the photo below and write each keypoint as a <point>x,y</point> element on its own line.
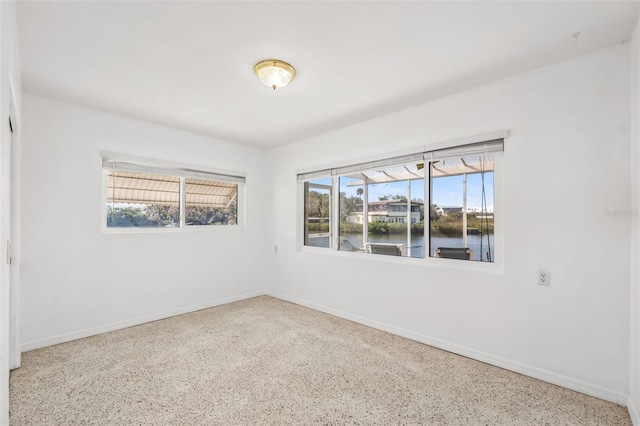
<point>183,196</point>
<point>427,208</point>
<point>305,214</point>
<point>334,218</point>
<point>365,213</point>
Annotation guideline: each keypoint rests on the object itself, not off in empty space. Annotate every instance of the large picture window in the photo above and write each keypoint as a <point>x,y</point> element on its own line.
<point>436,204</point>
<point>149,196</point>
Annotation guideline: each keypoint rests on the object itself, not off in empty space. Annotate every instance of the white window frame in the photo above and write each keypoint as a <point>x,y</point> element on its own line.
<point>178,170</point>
<point>497,266</point>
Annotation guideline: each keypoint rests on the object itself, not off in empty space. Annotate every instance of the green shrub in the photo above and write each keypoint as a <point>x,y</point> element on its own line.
<point>448,229</point>
<point>350,228</point>
<point>454,229</point>
<point>383,228</point>
<point>417,227</point>
<point>318,227</point>
<point>438,228</point>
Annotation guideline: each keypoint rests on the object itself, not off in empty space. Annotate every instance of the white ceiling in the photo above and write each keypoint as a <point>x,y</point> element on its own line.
<point>189,65</point>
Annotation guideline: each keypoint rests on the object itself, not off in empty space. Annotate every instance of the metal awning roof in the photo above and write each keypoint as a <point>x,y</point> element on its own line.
<point>208,193</point>
<point>141,188</point>
<point>461,166</point>
<point>440,168</point>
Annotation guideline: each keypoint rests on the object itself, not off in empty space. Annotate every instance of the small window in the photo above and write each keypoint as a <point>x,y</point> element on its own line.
<point>317,212</point>
<point>144,196</point>
<point>142,200</point>
<point>209,202</point>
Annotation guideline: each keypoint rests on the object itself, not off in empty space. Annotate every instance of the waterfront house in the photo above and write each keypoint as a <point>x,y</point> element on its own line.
<point>389,211</point>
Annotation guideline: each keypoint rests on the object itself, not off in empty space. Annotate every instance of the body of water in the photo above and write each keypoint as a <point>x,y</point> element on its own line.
<point>417,243</point>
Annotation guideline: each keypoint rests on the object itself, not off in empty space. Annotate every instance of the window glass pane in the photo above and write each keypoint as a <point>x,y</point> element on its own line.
<point>394,211</point>
<point>417,219</point>
<point>142,200</point>
<point>351,214</point>
<point>209,202</point>
<point>461,213</point>
<point>317,212</point>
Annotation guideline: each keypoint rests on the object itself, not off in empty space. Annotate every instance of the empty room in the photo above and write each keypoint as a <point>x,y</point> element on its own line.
<point>319,212</point>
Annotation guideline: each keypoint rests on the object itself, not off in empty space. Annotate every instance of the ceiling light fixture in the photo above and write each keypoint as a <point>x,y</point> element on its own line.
<point>275,73</point>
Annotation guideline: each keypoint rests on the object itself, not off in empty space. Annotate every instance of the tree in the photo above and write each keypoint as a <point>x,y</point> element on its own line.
<point>349,205</point>
<point>127,217</point>
<point>163,215</point>
<point>433,214</point>
<point>393,197</point>
<point>318,205</point>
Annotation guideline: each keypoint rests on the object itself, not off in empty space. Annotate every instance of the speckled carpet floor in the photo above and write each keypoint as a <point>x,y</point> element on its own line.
<point>264,361</point>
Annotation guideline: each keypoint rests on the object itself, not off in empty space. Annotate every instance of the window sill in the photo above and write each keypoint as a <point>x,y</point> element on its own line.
<point>496,268</point>
<point>187,229</point>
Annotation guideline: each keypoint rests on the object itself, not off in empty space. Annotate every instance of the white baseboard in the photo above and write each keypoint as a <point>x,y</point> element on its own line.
<point>527,370</point>
<point>74,335</point>
<point>634,413</point>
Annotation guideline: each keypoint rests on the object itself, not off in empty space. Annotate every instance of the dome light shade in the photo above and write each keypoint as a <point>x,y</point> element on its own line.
<point>275,73</point>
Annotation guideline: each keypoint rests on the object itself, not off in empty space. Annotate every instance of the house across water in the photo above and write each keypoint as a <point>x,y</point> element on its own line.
<point>389,211</point>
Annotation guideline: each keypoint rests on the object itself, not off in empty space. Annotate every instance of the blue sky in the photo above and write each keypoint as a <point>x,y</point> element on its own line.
<point>447,191</point>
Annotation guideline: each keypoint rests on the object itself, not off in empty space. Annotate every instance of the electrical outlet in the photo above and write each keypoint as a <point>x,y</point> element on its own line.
<point>544,278</point>
<point>275,249</point>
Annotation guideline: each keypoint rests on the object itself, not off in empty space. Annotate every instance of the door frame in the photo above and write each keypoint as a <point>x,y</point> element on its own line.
<point>15,353</point>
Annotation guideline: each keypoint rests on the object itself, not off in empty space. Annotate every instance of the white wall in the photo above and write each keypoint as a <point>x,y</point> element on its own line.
<point>9,81</point>
<point>77,280</point>
<point>634,336</point>
<point>565,164</point>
